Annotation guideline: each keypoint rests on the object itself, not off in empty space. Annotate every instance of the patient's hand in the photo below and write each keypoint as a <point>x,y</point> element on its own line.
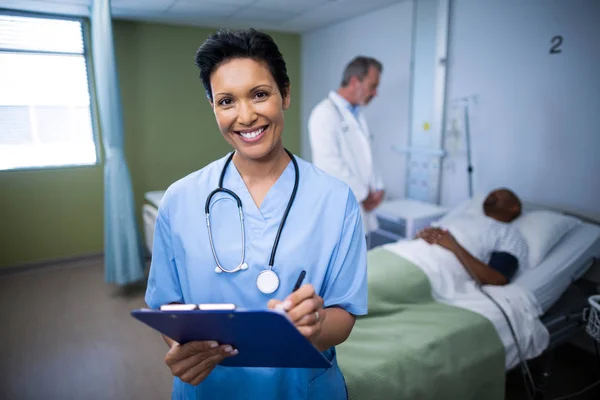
<point>443,238</point>
<point>438,236</point>
<point>430,235</point>
<point>446,240</point>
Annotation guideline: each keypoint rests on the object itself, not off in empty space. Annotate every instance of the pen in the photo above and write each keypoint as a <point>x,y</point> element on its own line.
<point>281,306</point>
<point>299,281</point>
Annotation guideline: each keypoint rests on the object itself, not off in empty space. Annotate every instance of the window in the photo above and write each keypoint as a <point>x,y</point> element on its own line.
<point>45,113</point>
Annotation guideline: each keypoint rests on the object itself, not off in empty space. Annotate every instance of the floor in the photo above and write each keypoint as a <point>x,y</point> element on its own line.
<point>573,369</point>
<point>65,334</point>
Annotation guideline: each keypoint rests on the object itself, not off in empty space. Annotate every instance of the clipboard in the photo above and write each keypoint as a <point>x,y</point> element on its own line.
<point>264,338</point>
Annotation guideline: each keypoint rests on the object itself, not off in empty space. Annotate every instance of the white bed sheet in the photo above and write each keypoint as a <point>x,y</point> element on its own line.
<point>565,263</point>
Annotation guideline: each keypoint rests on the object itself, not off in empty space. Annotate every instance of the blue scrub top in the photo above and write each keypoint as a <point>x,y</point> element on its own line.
<point>323,235</point>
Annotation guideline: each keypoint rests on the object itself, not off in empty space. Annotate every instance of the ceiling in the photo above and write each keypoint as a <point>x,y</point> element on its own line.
<point>280,15</point>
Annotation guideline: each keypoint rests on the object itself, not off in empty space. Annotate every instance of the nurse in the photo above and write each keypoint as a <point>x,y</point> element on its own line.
<point>295,217</point>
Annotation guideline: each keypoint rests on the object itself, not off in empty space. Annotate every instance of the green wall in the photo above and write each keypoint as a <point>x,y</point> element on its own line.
<point>50,213</point>
<point>170,131</point>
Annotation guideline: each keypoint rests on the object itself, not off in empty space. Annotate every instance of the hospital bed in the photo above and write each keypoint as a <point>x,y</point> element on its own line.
<point>562,273</point>
<point>561,284</point>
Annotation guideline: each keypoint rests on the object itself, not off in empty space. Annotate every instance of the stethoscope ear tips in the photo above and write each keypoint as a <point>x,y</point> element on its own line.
<point>218,270</point>
<point>244,266</point>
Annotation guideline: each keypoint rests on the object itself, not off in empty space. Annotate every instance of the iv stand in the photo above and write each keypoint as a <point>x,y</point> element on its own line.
<point>468,143</point>
<point>465,103</point>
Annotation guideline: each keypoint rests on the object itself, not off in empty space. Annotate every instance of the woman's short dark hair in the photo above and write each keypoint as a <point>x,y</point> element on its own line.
<point>225,45</point>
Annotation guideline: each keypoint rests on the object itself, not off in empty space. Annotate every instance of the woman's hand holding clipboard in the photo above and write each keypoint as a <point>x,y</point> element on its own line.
<point>194,361</point>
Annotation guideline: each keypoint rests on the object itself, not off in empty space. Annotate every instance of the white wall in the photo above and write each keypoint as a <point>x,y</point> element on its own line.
<point>536,127</point>
<point>386,35</point>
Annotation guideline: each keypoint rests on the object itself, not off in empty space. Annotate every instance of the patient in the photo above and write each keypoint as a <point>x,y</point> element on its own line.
<point>487,245</point>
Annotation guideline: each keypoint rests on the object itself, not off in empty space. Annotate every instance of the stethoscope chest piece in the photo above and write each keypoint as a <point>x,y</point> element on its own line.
<point>267,281</point>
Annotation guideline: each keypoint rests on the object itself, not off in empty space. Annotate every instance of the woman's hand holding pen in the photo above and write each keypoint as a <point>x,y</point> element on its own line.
<point>305,309</point>
<point>194,361</point>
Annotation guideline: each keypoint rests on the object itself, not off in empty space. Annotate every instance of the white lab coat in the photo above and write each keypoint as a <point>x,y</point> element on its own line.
<point>345,155</point>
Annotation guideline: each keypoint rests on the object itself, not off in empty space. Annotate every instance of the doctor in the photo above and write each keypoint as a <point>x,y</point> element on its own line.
<point>271,216</point>
<point>340,139</point>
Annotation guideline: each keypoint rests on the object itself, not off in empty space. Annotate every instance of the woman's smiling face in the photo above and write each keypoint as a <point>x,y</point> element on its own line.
<point>248,107</point>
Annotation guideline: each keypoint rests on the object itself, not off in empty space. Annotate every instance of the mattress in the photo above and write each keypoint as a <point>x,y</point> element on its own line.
<point>565,263</point>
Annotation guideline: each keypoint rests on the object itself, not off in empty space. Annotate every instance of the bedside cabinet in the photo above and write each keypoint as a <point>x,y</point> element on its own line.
<point>402,219</point>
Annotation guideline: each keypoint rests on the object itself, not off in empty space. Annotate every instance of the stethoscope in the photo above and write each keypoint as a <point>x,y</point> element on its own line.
<point>343,122</point>
<point>267,281</point>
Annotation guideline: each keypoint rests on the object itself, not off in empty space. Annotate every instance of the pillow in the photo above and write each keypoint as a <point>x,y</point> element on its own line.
<point>542,230</point>
<point>473,204</point>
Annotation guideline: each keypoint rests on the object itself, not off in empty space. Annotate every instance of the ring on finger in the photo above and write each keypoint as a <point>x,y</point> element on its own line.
<point>317,316</point>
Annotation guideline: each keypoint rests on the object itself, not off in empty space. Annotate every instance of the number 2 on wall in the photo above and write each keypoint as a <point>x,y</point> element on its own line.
<point>556,43</point>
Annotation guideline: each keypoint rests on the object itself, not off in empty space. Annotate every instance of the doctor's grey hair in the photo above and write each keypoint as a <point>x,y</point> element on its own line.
<point>225,45</point>
<point>359,67</point>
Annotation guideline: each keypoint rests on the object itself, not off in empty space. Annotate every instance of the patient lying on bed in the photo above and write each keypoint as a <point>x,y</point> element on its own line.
<point>485,243</point>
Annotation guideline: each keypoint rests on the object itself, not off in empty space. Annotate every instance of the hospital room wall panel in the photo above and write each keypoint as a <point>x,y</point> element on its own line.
<point>535,124</point>
<point>170,131</point>
<point>386,35</point>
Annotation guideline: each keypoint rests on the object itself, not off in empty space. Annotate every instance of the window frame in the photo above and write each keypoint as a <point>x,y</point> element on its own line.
<point>86,37</point>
